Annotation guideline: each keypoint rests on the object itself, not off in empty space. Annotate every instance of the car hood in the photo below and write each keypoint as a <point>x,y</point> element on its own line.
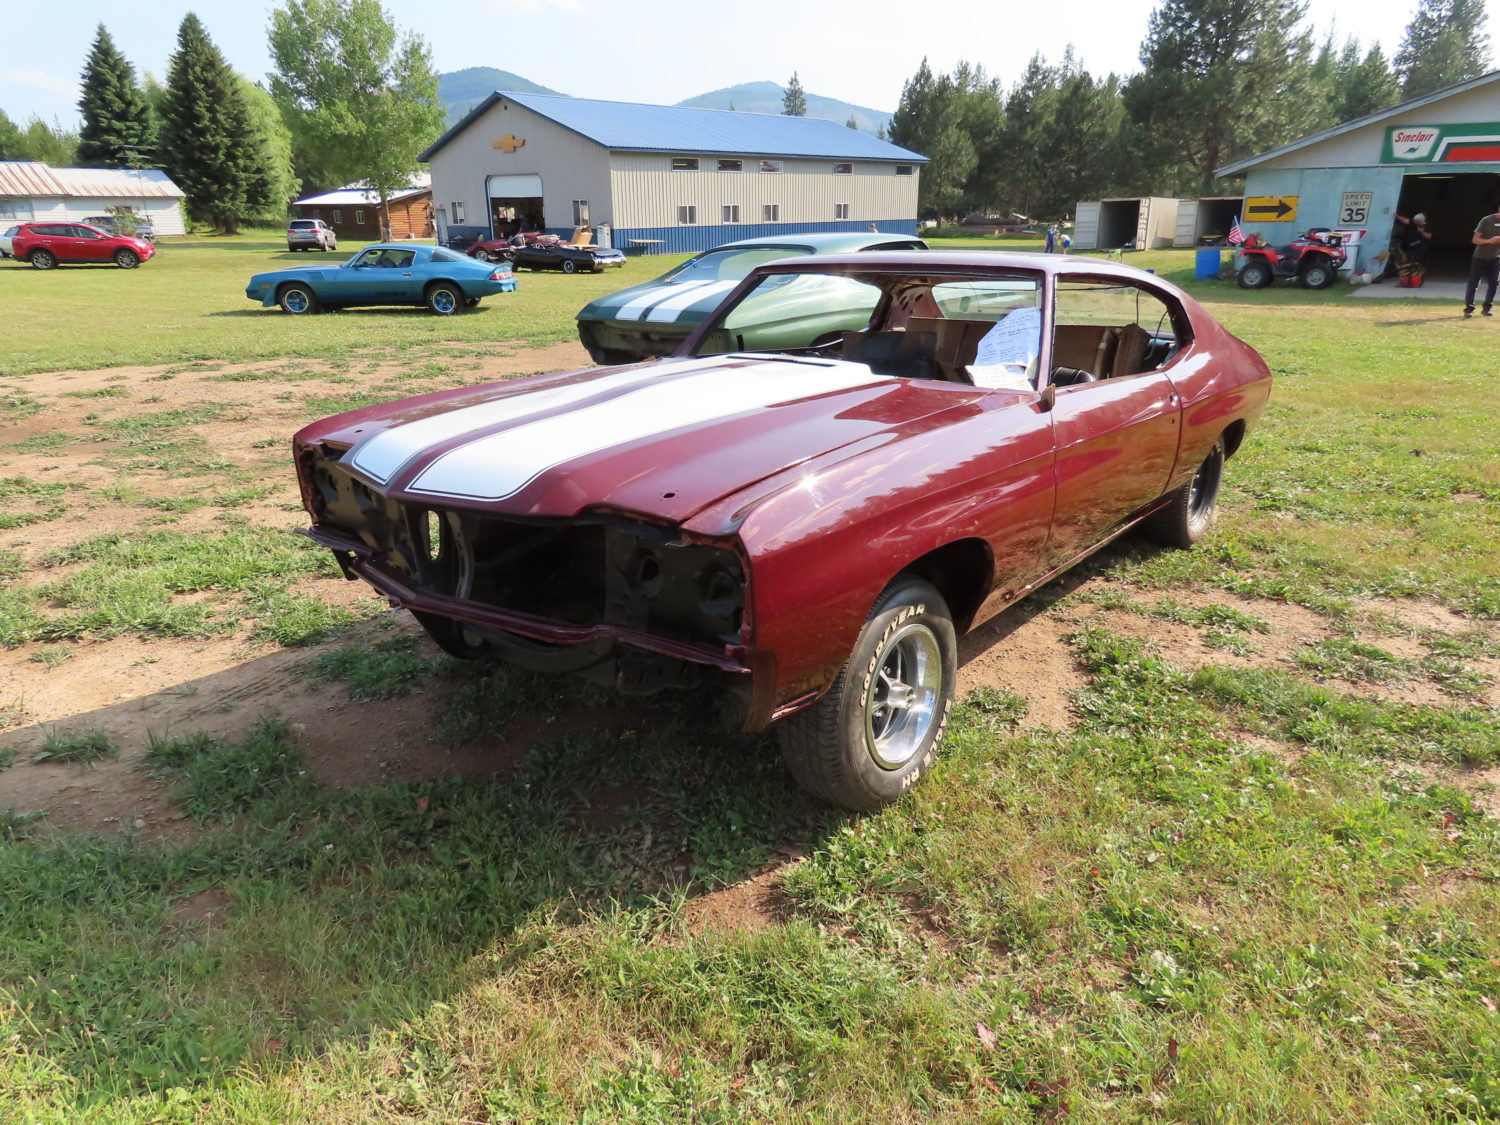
<point>682,305</point>
<point>663,439</point>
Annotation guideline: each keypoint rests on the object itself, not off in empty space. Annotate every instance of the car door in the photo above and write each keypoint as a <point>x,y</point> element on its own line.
<point>1117,417</point>
<point>59,239</point>
<point>89,245</point>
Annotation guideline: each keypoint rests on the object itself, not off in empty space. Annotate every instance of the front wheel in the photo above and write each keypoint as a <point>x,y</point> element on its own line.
<point>127,259</point>
<point>1194,508</point>
<point>877,730</point>
<point>1318,275</point>
<point>297,299</point>
<point>1254,275</point>
<point>43,259</point>
<point>444,299</point>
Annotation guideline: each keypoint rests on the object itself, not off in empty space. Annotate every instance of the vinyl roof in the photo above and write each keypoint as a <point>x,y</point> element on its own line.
<point>33,178</point>
<point>633,127</point>
<point>1360,123</point>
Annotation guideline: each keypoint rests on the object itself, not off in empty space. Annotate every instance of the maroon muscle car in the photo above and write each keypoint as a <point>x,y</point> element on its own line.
<point>922,439</point>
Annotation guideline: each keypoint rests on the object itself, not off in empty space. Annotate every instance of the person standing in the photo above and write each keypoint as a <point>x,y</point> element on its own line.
<point>1051,239</point>
<point>1418,242</point>
<point>1485,265</point>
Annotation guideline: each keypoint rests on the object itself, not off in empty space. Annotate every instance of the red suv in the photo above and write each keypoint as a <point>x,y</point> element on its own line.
<point>45,245</point>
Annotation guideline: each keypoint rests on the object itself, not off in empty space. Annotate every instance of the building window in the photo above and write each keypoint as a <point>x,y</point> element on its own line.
<point>903,169</point>
<point>454,209</point>
<point>843,169</point>
<point>731,212</point>
<point>359,218</point>
<point>15,209</point>
<point>687,214</point>
<point>338,216</point>
<point>770,165</point>
<point>684,163</point>
<point>841,210</point>
<point>770,213</point>
<point>580,212</point>
<point>731,165</point>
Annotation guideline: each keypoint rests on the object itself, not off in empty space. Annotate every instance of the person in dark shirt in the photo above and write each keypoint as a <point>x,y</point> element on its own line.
<point>1414,249</point>
<point>1485,265</point>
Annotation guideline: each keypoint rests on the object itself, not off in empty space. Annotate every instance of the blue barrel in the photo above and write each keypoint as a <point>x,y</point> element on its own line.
<point>1206,267</point>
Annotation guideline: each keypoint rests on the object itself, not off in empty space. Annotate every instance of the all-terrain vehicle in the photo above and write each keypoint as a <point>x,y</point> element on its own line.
<point>1313,259</point>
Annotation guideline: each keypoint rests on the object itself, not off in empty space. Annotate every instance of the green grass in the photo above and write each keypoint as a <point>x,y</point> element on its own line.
<point>1232,894</point>
<point>80,746</point>
<point>187,307</point>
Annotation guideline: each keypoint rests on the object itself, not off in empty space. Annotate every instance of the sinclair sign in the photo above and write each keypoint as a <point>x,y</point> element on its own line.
<point>1472,142</point>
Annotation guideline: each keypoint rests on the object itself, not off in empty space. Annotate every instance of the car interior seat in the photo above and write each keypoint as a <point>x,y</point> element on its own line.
<point>957,344</point>
<point>907,355</point>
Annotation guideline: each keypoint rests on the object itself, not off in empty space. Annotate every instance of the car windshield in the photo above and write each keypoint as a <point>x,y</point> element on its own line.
<point>982,331</point>
<point>729,265</point>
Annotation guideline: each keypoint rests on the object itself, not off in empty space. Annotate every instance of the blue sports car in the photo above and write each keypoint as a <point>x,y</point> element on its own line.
<point>442,279</point>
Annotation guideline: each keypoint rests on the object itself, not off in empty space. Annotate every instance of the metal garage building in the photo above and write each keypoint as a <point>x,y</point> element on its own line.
<point>663,177</point>
<point>31,190</point>
<point>1439,155</point>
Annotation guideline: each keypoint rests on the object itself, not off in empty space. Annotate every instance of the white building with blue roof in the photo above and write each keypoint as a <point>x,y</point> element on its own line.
<point>663,178</point>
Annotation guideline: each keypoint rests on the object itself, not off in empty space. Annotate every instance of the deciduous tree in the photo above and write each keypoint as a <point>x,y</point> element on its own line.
<point>359,96</point>
<point>119,129</point>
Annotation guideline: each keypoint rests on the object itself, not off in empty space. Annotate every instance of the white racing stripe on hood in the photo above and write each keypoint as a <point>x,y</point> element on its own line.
<point>381,456</point>
<point>635,309</point>
<point>670,309</point>
<point>500,465</point>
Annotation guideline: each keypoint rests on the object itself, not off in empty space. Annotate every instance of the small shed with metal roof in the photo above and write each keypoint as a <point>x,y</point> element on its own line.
<point>31,190</point>
<point>1437,155</point>
<point>662,178</point>
<point>353,211</point>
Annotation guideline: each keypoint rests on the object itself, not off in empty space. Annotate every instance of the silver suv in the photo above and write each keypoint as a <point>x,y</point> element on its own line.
<point>310,234</point>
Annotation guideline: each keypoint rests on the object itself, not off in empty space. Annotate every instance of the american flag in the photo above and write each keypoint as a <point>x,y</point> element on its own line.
<point>1236,232</point>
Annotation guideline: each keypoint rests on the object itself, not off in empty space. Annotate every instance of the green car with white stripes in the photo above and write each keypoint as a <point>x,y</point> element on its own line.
<point>650,320</point>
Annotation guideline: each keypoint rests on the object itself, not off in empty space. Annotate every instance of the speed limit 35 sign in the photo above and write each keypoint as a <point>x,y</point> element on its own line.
<point>1354,208</point>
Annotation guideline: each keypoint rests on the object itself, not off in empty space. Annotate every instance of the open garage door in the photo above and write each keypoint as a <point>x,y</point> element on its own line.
<point>1453,202</point>
<point>515,204</point>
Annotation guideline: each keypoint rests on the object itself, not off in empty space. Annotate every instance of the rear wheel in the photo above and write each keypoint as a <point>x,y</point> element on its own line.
<point>43,259</point>
<point>486,256</point>
<point>877,730</point>
<point>1194,508</point>
<point>1255,275</point>
<point>297,299</point>
<point>444,298</point>
<point>569,266</point>
<point>127,259</point>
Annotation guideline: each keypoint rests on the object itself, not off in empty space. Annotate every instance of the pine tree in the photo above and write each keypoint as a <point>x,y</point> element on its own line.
<point>1366,86</point>
<point>929,120</point>
<point>119,130</point>
<point>208,141</point>
<point>794,100</point>
<point>1223,79</point>
<point>851,123</point>
<point>10,138</point>
<point>1444,43</point>
<point>51,144</point>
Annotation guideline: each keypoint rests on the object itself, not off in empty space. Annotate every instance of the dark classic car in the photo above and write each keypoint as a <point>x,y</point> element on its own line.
<point>443,280</point>
<point>653,318</point>
<point>816,523</point>
<point>549,254</point>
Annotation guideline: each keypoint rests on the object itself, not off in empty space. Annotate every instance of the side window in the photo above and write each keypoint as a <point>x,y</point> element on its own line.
<point>399,259</point>
<point>1106,328</point>
<point>367,260</point>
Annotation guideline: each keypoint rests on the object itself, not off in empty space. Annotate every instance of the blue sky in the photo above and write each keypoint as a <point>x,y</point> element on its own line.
<point>655,50</point>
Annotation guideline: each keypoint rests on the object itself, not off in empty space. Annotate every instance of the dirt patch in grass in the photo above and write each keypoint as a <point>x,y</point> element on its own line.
<point>754,904</point>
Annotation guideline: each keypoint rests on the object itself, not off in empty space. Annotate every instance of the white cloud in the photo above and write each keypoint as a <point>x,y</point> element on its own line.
<point>42,80</point>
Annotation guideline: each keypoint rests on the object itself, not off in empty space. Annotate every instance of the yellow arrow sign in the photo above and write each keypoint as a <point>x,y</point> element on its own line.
<point>509,143</point>
<point>1271,208</point>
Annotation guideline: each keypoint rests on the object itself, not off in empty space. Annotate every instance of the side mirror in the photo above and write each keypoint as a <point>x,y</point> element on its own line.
<point>1047,399</point>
